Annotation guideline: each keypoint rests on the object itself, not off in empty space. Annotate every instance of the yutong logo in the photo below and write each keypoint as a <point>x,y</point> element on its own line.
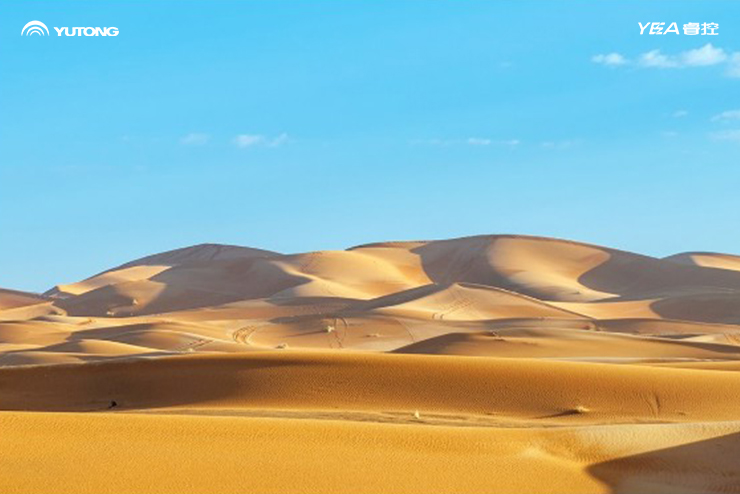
<point>35,27</point>
<point>38,27</point>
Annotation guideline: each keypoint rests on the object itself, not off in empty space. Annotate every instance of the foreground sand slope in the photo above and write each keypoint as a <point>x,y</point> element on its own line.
<point>96,453</point>
<point>346,422</point>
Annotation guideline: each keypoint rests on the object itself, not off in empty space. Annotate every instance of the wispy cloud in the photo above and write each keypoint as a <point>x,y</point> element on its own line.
<point>705,56</point>
<point>278,141</point>
<point>469,141</point>
<point>679,113</point>
<point>733,66</point>
<point>478,141</point>
<point>560,145</point>
<point>610,59</point>
<point>195,139</point>
<point>656,59</point>
<point>726,135</point>
<point>250,140</point>
<point>726,116</point>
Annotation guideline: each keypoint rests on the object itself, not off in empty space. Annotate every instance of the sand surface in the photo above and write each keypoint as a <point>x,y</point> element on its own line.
<point>490,364</point>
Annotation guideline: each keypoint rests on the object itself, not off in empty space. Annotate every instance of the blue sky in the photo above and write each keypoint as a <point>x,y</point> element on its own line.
<point>320,125</point>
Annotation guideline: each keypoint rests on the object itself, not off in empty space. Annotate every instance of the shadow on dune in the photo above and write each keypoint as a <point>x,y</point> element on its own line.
<point>188,286</point>
<point>623,274</point>
<point>468,260</point>
<point>708,466</point>
<point>632,276</point>
<point>136,383</point>
<point>718,307</point>
<point>452,261</point>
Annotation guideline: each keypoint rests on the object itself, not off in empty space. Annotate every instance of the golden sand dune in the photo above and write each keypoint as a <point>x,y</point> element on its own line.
<point>496,363</point>
<point>12,299</point>
<point>16,305</point>
<point>460,301</point>
<point>510,390</point>
<point>570,344</point>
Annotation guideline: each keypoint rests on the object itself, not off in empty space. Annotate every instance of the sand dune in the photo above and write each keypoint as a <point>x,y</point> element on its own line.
<point>16,305</point>
<point>460,301</point>
<point>545,269</point>
<point>496,363</point>
<point>707,260</point>
<point>511,389</point>
<point>12,299</point>
<point>569,344</point>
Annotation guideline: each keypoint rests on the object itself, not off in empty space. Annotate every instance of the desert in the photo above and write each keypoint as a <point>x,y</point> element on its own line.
<point>493,363</point>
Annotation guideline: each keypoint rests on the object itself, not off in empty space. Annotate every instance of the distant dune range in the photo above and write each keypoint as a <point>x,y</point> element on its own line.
<point>498,363</point>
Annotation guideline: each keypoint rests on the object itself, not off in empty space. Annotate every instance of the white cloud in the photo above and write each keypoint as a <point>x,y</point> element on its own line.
<point>726,116</point>
<point>247,140</point>
<point>477,141</point>
<point>195,139</point>
<point>610,59</point>
<point>733,71</point>
<point>656,59</point>
<point>679,113</point>
<point>470,141</point>
<point>726,135</point>
<point>435,142</point>
<point>567,144</point>
<point>250,140</point>
<point>278,141</point>
<point>704,56</point>
<point>700,57</point>
<point>733,66</point>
